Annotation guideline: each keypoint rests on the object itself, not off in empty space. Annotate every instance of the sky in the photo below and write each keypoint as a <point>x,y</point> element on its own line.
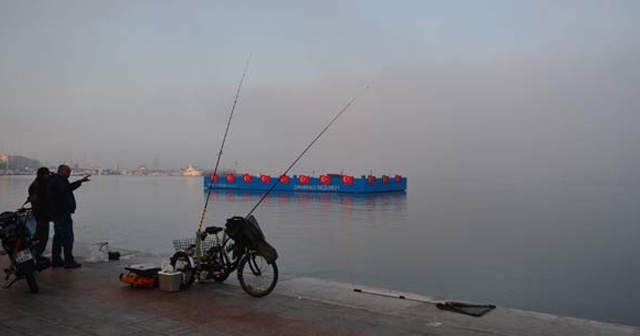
<point>481,89</point>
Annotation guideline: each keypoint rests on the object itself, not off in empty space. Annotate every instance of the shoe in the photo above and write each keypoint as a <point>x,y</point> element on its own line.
<point>73,265</point>
<point>56,265</point>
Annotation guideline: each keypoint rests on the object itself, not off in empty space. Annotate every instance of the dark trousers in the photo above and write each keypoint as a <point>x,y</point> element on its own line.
<point>62,240</point>
<point>41,235</point>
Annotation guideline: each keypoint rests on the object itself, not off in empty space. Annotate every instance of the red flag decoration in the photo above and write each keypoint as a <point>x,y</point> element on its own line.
<point>304,179</point>
<point>347,179</point>
<point>231,178</point>
<point>266,179</point>
<point>247,178</point>
<point>213,178</point>
<point>325,179</point>
<point>398,179</point>
<point>385,179</point>
<point>284,179</point>
<point>371,179</point>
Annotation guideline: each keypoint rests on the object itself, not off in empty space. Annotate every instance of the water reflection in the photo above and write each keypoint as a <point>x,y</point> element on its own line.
<point>397,200</point>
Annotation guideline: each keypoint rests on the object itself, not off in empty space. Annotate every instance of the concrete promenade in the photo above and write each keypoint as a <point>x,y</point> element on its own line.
<point>92,301</point>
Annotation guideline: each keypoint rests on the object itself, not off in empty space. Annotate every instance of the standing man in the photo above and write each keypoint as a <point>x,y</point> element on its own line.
<point>63,204</point>
<point>40,207</point>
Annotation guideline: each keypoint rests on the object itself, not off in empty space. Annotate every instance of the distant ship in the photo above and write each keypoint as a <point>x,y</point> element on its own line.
<point>192,171</point>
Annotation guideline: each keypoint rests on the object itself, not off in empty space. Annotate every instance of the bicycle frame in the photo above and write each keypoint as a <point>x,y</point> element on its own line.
<point>222,248</point>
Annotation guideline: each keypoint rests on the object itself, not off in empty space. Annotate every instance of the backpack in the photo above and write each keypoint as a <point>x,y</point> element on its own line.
<point>247,232</point>
<point>40,205</point>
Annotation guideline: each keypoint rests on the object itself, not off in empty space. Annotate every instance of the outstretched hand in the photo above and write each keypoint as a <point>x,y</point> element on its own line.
<point>85,179</point>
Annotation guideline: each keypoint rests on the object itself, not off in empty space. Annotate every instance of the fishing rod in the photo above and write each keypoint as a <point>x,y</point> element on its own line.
<point>306,149</point>
<point>226,131</point>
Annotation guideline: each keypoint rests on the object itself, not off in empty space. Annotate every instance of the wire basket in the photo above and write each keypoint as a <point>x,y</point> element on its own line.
<point>185,244</point>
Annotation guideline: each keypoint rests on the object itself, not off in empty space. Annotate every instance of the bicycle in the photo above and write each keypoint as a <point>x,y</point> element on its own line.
<point>217,252</point>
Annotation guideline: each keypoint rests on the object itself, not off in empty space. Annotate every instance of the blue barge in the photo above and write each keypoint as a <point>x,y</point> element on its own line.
<point>335,183</point>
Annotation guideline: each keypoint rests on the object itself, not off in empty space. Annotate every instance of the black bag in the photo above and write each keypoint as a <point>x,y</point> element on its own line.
<point>267,251</point>
<point>234,227</point>
<point>8,218</point>
<point>247,233</point>
<point>253,231</point>
<point>259,243</point>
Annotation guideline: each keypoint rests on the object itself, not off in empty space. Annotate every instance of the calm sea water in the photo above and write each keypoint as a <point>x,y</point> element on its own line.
<point>569,249</point>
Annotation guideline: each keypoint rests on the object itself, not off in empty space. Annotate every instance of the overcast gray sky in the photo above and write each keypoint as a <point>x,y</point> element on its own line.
<point>500,89</point>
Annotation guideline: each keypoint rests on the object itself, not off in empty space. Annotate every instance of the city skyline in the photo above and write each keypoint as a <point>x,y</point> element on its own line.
<point>6,159</point>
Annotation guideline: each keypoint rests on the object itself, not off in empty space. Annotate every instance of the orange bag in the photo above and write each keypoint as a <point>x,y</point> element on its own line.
<point>137,281</point>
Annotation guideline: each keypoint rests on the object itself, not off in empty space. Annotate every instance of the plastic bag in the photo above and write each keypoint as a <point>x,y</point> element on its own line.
<point>98,252</point>
<point>166,267</point>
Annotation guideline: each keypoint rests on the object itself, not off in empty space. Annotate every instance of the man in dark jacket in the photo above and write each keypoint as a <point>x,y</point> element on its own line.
<point>40,208</point>
<point>62,204</point>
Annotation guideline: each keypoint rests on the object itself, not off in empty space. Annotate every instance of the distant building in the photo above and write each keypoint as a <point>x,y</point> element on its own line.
<point>141,170</point>
<point>17,164</point>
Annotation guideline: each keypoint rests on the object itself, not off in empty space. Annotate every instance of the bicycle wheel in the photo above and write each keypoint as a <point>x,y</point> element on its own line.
<point>182,263</point>
<point>256,276</point>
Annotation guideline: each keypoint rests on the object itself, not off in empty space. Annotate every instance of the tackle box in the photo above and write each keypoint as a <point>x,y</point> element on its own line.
<point>141,276</point>
<point>145,270</point>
